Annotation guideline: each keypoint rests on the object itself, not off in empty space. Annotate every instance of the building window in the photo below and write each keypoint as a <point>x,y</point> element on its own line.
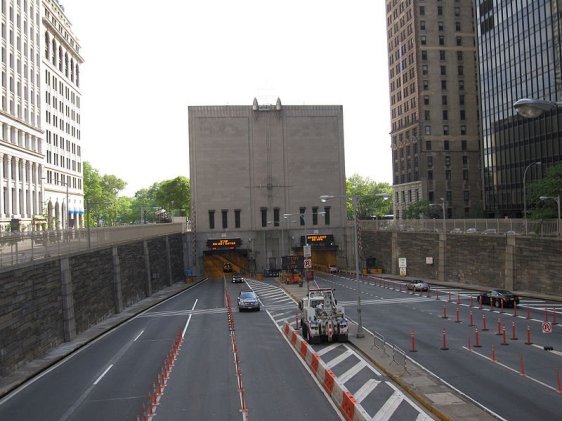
<point>457,26</point>
<point>443,70</point>
<point>444,100</point>
<point>440,26</point>
<point>449,196</point>
<point>425,84</point>
<point>237,218</point>
<point>426,100</point>
<point>423,40</point>
<point>224,213</point>
<point>463,145</point>
<point>212,219</point>
<point>447,160</point>
<point>428,145</point>
<point>463,130</point>
<point>439,10</point>
<point>446,145</point>
<point>422,10</point>
<point>276,217</point>
<point>444,85</point>
<point>430,161</point>
<point>445,130</point>
<point>430,175</point>
<point>430,196</point>
<point>459,56</point>
<point>326,215</point>
<point>424,70</point>
<point>427,115</point>
<point>460,70</point>
<point>441,54</point>
<point>448,175</point>
<point>424,55</point>
<point>466,195</point>
<point>422,25</point>
<point>302,216</point>
<point>445,115</point>
<point>441,40</point>
<point>465,174</point>
<point>263,217</point>
<point>459,41</point>
<point>427,129</point>
<point>315,216</point>
<point>461,99</point>
<point>462,115</point>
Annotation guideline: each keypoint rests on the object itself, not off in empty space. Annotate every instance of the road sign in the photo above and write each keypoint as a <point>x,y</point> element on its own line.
<point>546,327</point>
<point>307,263</point>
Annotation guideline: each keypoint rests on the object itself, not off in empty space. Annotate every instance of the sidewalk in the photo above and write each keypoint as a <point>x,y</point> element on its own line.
<point>436,397</point>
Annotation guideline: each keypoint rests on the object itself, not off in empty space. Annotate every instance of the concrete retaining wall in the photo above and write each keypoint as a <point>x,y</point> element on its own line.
<point>47,303</point>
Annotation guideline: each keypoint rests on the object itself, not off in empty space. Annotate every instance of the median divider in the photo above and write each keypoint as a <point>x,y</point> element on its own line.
<point>342,398</point>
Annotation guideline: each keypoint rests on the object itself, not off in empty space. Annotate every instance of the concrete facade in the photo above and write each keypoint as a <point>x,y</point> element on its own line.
<point>250,165</point>
<point>63,180</point>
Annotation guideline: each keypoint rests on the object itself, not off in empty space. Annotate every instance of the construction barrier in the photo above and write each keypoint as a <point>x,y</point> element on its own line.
<point>342,398</point>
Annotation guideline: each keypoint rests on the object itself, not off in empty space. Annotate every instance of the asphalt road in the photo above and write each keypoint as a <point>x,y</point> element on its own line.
<point>112,377</point>
<point>512,379</point>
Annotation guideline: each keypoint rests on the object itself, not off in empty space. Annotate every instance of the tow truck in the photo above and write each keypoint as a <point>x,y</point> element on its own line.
<point>322,319</point>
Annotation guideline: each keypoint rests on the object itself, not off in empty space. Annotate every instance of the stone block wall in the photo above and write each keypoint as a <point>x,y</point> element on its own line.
<point>51,301</point>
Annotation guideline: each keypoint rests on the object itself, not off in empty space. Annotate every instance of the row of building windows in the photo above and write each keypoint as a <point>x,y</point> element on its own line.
<point>264,213</point>
<point>56,178</point>
<point>20,138</point>
<point>66,63</point>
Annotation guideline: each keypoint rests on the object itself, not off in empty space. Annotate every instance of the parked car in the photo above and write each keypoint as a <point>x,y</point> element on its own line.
<point>495,297</point>
<point>333,269</point>
<point>227,267</point>
<point>248,300</point>
<point>418,285</point>
<point>237,278</point>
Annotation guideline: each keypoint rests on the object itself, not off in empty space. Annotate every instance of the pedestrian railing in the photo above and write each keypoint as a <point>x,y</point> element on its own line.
<point>24,247</point>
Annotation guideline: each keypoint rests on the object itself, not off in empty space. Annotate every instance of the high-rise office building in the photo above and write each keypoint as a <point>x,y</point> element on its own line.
<point>21,139</point>
<point>433,96</point>
<point>520,54</point>
<point>64,191</point>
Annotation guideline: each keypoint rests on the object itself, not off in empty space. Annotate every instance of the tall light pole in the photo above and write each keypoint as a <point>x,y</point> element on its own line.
<point>538,163</point>
<point>354,200</point>
<point>557,200</point>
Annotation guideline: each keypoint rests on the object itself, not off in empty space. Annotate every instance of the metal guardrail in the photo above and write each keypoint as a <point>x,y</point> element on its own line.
<point>398,355</point>
<point>541,228</point>
<point>24,247</point>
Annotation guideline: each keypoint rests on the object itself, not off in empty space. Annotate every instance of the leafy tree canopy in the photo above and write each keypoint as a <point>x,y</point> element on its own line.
<point>370,205</point>
<point>550,186</point>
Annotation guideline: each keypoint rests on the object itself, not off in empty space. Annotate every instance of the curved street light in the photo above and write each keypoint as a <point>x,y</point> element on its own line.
<point>532,108</point>
<point>557,200</point>
<point>354,199</point>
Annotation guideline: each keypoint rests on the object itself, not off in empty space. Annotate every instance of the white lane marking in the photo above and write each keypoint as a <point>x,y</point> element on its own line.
<point>327,349</point>
<point>352,371</point>
<point>138,336</point>
<point>103,374</point>
<point>335,361</point>
<point>512,369</point>
<point>364,391</point>
<point>188,319</point>
<point>552,351</point>
<point>389,406</point>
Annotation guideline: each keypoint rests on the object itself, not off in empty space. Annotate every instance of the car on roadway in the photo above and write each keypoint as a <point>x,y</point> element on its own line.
<point>227,267</point>
<point>237,278</point>
<point>333,269</point>
<point>248,300</point>
<point>498,298</point>
<point>418,285</point>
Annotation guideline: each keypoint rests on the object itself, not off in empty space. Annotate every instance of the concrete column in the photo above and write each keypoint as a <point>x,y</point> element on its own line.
<point>24,188</point>
<point>17,180</point>
<point>148,286</point>
<point>442,252</point>
<point>169,259</point>
<point>509,282</point>
<point>2,175</point>
<point>69,322</point>
<point>9,209</point>
<point>395,254</point>
<point>117,292</point>
<point>185,250</point>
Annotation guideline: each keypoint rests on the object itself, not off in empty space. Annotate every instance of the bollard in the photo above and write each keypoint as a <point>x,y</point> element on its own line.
<point>558,380</point>
<point>554,322</point>
<point>504,336</point>
<point>413,337</point>
<point>458,298</point>
<point>501,306</point>
<point>513,332</point>
<point>458,320</point>
<point>437,295</point>
<point>470,300</point>
<point>528,312</point>
<point>471,318</point>
<point>476,338</point>
<point>444,334</point>
<point>499,332</point>
<point>521,365</point>
<point>480,303</point>
<point>528,335</point>
<point>484,328</point>
<point>545,314</point>
<point>449,296</point>
<point>444,312</point>
<point>468,342</point>
<point>493,354</point>
<point>514,309</point>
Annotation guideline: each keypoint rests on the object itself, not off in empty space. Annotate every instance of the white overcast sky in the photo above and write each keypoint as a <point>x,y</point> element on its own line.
<point>147,61</point>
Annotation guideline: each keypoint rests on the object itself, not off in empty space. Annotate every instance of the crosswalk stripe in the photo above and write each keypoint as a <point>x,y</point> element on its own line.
<point>364,391</point>
<point>335,361</point>
<point>327,349</point>
<point>352,371</point>
<point>389,406</point>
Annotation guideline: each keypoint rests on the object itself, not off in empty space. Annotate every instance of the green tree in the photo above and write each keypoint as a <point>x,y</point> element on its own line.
<point>174,195</point>
<point>369,205</point>
<point>550,185</point>
<point>100,196</point>
<point>418,210</point>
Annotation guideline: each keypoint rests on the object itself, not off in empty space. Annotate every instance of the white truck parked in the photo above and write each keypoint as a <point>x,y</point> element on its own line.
<point>321,317</point>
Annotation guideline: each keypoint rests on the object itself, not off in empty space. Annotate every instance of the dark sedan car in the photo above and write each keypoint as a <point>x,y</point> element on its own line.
<point>237,278</point>
<point>248,300</point>
<point>498,298</point>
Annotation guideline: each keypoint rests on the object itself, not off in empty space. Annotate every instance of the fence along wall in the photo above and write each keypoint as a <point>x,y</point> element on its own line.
<point>45,304</point>
<point>524,264</point>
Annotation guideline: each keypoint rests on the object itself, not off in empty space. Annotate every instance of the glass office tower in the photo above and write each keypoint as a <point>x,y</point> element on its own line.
<point>519,57</point>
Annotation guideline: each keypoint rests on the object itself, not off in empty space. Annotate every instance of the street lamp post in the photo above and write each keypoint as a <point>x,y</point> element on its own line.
<point>538,163</point>
<point>354,200</point>
<point>557,200</point>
